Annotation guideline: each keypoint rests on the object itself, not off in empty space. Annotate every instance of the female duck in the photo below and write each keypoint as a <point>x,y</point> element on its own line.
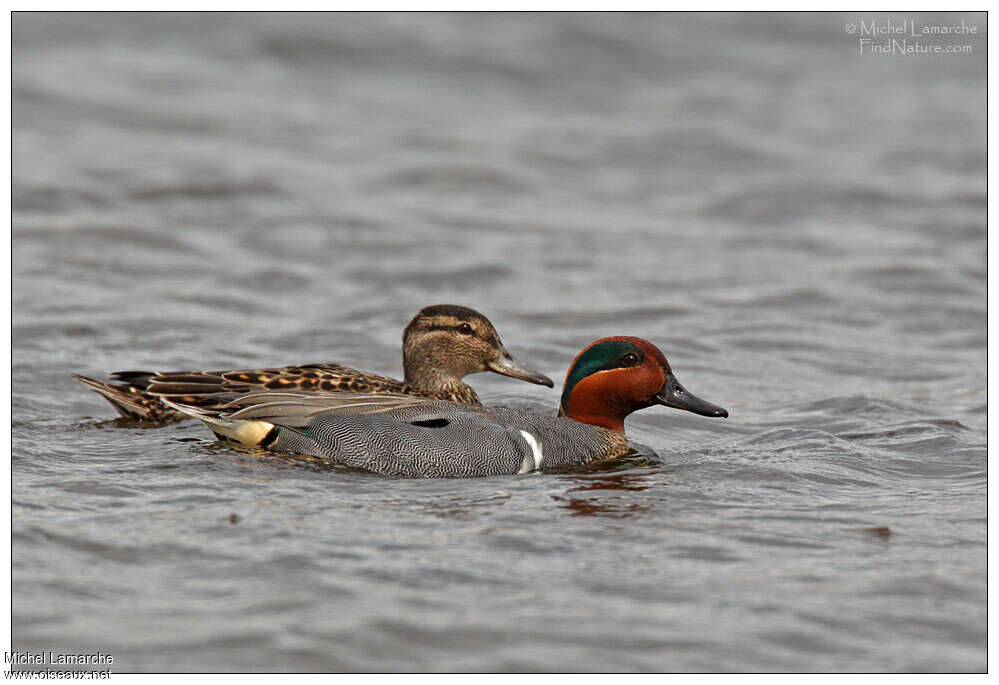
<point>413,437</point>
<point>440,346</point>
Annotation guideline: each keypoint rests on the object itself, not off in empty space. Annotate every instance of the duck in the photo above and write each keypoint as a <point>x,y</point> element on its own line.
<point>440,346</point>
<point>414,437</point>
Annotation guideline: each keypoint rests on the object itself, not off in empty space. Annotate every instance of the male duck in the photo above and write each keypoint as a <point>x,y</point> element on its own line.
<point>440,346</point>
<point>415,437</point>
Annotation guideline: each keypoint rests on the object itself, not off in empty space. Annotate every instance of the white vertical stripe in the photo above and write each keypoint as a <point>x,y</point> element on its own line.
<point>534,463</point>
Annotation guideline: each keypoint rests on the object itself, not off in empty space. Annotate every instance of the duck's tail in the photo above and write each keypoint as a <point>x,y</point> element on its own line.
<point>249,433</point>
<point>131,399</point>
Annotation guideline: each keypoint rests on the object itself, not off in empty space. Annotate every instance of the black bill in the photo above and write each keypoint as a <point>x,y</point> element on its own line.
<point>675,395</point>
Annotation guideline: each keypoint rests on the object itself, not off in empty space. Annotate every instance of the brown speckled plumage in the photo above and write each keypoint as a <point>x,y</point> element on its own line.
<point>441,345</point>
<point>133,402</point>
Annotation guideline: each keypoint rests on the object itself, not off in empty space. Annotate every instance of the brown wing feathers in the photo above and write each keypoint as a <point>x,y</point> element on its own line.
<point>136,394</point>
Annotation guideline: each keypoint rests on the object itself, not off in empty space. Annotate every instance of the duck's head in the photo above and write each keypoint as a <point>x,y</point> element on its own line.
<point>446,342</point>
<point>613,377</point>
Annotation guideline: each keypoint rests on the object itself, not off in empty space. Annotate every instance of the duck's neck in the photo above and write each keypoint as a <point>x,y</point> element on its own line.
<point>595,400</point>
<point>430,381</point>
<point>594,416</point>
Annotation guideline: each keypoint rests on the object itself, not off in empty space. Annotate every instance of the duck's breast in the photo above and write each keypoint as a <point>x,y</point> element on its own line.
<point>564,442</point>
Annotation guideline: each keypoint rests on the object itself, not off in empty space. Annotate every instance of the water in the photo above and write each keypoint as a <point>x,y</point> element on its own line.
<point>800,228</point>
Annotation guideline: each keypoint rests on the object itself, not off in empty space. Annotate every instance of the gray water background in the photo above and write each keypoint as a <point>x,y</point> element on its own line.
<point>800,228</point>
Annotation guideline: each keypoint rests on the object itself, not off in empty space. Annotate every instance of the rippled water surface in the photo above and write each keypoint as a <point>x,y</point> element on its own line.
<point>800,228</point>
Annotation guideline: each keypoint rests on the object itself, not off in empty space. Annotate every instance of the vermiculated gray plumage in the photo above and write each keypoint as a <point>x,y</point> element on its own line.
<point>470,445</point>
<point>406,436</point>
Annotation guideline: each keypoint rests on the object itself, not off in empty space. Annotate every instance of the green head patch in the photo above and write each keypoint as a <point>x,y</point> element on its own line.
<point>601,356</point>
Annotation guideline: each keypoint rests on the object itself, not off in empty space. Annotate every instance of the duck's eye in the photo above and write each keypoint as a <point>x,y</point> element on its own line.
<point>629,359</point>
<point>466,329</point>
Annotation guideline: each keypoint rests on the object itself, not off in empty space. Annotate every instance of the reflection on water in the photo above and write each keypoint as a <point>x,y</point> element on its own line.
<point>605,503</point>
